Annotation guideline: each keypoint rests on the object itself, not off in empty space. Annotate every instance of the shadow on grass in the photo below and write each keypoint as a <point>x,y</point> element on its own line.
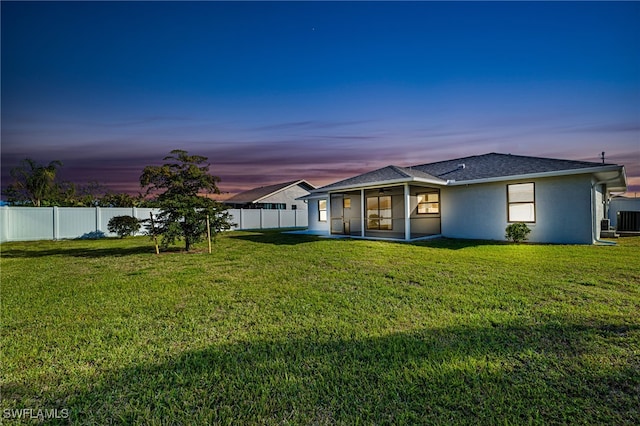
<point>280,238</point>
<point>455,244</point>
<point>273,237</point>
<point>84,252</point>
<point>504,374</point>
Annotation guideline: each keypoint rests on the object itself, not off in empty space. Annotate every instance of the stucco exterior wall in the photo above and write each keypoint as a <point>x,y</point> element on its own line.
<point>563,206</point>
<point>600,203</point>
<point>563,210</point>
<point>314,222</point>
<point>288,197</point>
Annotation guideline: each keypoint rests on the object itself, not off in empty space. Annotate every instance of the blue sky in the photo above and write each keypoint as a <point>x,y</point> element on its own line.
<point>276,91</point>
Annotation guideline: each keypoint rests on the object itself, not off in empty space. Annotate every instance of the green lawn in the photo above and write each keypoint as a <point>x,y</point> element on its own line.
<point>287,329</point>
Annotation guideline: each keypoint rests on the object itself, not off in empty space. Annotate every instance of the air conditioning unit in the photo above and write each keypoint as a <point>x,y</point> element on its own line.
<point>628,221</point>
<point>605,229</point>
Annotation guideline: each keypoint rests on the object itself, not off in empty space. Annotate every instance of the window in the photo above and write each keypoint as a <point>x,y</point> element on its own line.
<point>273,206</point>
<point>322,210</point>
<point>379,213</point>
<point>294,207</point>
<point>346,203</point>
<point>521,202</point>
<point>429,203</point>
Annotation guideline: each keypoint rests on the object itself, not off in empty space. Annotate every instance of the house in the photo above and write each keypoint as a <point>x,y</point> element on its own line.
<point>281,196</point>
<point>562,201</point>
<point>624,214</point>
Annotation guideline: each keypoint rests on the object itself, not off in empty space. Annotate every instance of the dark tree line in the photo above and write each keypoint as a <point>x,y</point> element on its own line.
<point>176,189</point>
<point>38,185</point>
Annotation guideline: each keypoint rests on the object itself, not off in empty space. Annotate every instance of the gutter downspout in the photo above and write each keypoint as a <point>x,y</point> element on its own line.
<point>594,222</point>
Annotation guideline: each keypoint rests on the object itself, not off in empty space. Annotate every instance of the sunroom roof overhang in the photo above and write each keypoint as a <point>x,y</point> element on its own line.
<point>382,184</point>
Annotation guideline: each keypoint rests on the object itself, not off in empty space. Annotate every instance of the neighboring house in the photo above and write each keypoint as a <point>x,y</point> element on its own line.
<point>627,210</point>
<point>281,196</point>
<point>562,201</point>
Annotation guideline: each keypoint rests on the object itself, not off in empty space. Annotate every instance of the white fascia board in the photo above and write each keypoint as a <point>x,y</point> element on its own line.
<point>384,184</point>
<point>317,195</point>
<point>430,181</point>
<point>589,170</point>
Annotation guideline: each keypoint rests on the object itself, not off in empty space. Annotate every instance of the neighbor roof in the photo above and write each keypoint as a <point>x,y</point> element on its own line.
<point>467,169</point>
<point>256,194</point>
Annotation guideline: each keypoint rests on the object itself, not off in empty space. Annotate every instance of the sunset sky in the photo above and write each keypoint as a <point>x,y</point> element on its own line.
<point>272,91</point>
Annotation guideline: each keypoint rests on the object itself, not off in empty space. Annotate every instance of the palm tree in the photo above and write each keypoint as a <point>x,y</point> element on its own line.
<point>33,182</point>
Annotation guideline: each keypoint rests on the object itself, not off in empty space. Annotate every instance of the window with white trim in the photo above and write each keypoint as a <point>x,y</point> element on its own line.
<point>322,210</point>
<point>521,202</point>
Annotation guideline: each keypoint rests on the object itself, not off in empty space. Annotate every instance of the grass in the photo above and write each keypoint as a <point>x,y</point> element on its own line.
<point>290,329</point>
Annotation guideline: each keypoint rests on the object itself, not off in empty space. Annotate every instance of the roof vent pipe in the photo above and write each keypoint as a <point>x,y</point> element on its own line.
<point>462,166</point>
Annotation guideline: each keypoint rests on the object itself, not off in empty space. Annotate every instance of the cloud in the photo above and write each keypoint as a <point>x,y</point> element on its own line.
<point>308,124</point>
<point>620,127</point>
<point>319,151</point>
<point>141,121</point>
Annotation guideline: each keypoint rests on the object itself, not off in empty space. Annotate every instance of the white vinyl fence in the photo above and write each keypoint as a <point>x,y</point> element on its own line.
<point>56,223</point>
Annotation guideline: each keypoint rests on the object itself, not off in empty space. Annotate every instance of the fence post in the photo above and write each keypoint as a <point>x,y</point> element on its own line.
<point>134,213</point>
<point>240,223</point>
<point>260,218</point>
<point>56,223</point>
<point>4,231</point>
<point>98,218</point>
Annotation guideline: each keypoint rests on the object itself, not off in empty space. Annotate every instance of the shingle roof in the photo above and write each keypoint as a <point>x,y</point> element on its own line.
<point>499,165</point>
<point>381,175</point>
<point>485,166</point>
<point>255,194</point>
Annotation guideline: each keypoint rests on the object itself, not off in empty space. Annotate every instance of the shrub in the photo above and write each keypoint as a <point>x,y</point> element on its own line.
<point>95,235</point>
<point>123,225</point>
<point>517,232</point>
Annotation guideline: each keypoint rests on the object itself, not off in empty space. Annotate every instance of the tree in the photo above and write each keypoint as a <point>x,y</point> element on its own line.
<point>94,194</point>
<point>177,185</point>
<point>123,225</point>
<point>74,195</point>
<point>33,183</point>
<point>120,199</point>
